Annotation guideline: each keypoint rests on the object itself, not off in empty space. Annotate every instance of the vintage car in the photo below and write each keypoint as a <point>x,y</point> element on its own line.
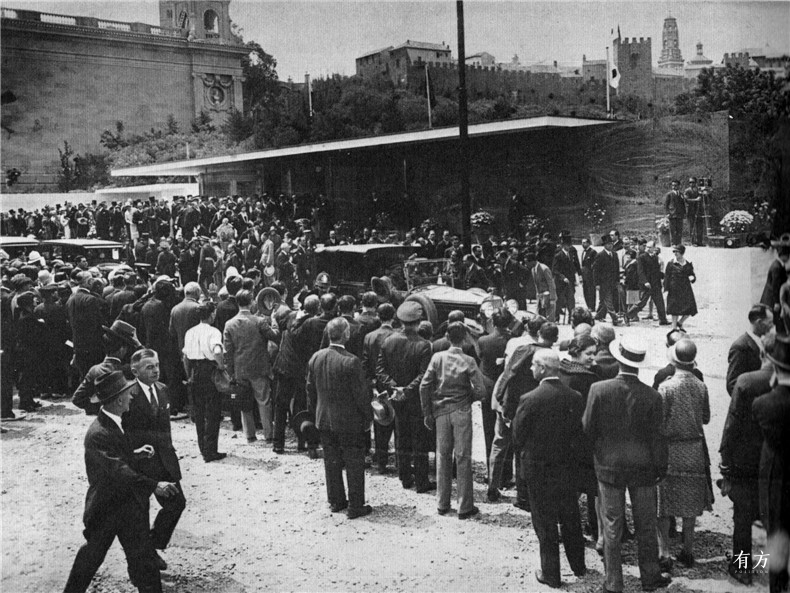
<point>105,255</point>
<point>350,267</point>
<point>19,246</point>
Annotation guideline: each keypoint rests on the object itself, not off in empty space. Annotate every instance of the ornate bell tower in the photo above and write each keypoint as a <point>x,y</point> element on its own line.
<point>199,19</point>
<point>671,58</point>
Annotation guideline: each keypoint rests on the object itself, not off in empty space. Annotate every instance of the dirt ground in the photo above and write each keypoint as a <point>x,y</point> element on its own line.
<point>259,521</point>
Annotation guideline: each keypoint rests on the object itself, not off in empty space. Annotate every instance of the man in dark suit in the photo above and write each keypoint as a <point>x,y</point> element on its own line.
<point>772,413</point>
<point>741,444</point>
<point>547,430</point>
<point>402,362</point>
<point>117,500</point>
<point>624,421</point>
<point>184,316</point>
<point>564,268</point>
<point>777,276</point>
<point>148,422</point>
<point>745,352</point>
<point>606,276</point>
<point>588,282</point>
<point>87,314</point>
<point>339,396</point>
<point>370,354</point>
<point>514,279</point>
<point>250,254</point>
<point>675,208</point>
<point>649,272</point>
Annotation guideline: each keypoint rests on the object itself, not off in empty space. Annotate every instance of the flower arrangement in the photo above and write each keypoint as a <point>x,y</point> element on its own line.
<point>532,225</point>
<point>481,219</point>
<point>763,214</point>
<point>662,225</point>
<point>737,221</point>
<point>595,215</point>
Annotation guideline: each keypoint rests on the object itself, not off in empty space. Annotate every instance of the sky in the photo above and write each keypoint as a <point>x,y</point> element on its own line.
<point>323,37</point>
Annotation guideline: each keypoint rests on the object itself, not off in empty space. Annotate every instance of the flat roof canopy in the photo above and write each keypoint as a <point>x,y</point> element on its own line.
<point>214,164</point>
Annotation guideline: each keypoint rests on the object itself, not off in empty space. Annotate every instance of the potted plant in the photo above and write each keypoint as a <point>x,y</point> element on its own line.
<point>735,225</point>
<point>482,222</point>
<point>595,215</point>
<point>532,225</point>
<point>662,226</point>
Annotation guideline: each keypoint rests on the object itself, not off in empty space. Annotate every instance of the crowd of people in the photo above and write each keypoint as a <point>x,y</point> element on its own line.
<point>262,339</point>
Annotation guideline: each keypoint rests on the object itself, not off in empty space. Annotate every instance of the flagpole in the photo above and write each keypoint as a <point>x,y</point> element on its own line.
<point>608,73</point>
<point>428,94</point>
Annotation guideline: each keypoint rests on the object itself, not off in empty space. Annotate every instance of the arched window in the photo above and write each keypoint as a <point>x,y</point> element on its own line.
<point>211,22</point>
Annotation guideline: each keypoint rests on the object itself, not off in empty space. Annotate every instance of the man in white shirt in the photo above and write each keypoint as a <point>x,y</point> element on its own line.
<point>202,354</point>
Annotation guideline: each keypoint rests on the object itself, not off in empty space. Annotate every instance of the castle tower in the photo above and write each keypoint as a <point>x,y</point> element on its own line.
<point>671,58</point>
<point>634,61</point>
<point>199,19</point>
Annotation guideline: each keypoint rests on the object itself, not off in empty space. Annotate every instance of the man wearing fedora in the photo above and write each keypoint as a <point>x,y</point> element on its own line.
<point>402,362</point>
<point>119,342</point>
<point>117,501</point>
<point>623,420</point>
<point>339,396</point>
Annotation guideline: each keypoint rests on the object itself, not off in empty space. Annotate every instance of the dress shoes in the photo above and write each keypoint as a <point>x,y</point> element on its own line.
<point>493,496</point>
<point>251,440</point>
<point>383,469</point>
<point>313,453</point>
<point>160,562</point>
<point>662,581</point>
<point>426,487</point>
<point>665,564</point>
<point>523,505</point>
<point>443,512</point>
<point>470,513</point>
<point>278,450</point>
<point>744,578</point>
<point>407,484</point>
<point>361,512</point>
<point>685,558</point>
<point>215,457</point>
<point>541,579</point>
<point>336,508</point>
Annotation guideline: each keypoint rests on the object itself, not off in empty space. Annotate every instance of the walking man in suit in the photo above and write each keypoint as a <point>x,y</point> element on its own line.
<point>547,429</point>
<point>606,275</point>
<point>675,207</point>
<point>745,354</point>
<point>148,422</point>
<point>340,398</point>
<point>117,500</point>
<point>624,421</point>
<point>564,268</point>
<point>649,271</point>
<point>588,283</point>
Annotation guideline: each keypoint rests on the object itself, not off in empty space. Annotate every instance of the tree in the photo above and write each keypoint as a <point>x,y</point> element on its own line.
<point>260,78</point>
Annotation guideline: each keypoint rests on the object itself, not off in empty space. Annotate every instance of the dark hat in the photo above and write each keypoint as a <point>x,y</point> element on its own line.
<point>780,357</point>
<point>304,423</point>
<point>110,386</point>
<point>51,287</point>
<point>410,311</point>
<point>270,293</point>
<point>383,411</point>
<point>26,299</point>
<point>566,238</point>
<point>124,332</point>
<point>629,352</point>
<point>606,239</point>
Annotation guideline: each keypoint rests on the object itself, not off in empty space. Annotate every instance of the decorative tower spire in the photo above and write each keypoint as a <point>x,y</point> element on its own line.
<point>671,58</point>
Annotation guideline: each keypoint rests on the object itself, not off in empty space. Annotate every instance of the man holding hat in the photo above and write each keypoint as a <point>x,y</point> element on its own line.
<point>338,395</point>
<point>772,413</point>
<point>402,362</point>
<point>117,500</point>
<point>623,420</point>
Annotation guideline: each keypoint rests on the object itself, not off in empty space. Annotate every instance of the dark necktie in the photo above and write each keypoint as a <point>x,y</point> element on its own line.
<point>154,400</point>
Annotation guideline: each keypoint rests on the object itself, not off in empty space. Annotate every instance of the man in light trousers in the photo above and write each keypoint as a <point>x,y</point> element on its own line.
<point>452,381</point>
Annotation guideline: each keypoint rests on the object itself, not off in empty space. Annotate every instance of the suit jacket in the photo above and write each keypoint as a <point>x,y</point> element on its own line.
<point>649,270</point>
<point>86,390</point>
<point>777,275</point>
<point>87,314</point>
<point>372,346</point>
<point>513,278</point>
<point>544,281</point>
<point>588,258</point>
<point>674,205</point>
<point>606,269</point>
<point>772,413</point>
<point>669,371</point>
<point>354,344</point>
<point>743,357</point>
<point>337,391</point>
<point>113,481</point>
<point>624,420</point>
<point>742,440</point>
<point>246,341</point>
<point>516,379</point>
<point>547,427</point>
<point>145,425</point>
<point>563,264</point>
<point>183,317</point>
<point>402,362</point>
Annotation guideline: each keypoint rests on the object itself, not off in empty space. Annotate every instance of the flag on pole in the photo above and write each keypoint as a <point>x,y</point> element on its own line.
<point>614,77</point>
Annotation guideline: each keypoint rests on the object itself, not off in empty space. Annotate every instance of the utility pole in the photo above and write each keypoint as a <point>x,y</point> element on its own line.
<point>463,132</point>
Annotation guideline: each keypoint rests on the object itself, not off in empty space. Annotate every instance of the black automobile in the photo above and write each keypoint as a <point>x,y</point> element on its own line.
<point>19,246</point>
<point>350,267</point>
<point>105,255</point>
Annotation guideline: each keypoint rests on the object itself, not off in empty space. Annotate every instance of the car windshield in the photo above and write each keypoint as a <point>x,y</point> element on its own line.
<point>419,272</point>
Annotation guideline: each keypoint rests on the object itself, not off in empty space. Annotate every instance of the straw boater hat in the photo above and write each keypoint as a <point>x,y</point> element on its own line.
<point>629,352</point>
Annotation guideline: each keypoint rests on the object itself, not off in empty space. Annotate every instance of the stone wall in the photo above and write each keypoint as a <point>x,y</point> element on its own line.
<point>72,82</point>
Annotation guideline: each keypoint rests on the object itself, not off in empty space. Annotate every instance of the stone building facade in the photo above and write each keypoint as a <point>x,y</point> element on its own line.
<point>69,78</point>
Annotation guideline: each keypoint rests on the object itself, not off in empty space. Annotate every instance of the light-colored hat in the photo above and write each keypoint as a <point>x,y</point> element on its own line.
<point>629,352</point>
<point>35,257</point>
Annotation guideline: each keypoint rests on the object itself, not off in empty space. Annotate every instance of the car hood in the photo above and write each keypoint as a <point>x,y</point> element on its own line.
<point>448,294</point>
